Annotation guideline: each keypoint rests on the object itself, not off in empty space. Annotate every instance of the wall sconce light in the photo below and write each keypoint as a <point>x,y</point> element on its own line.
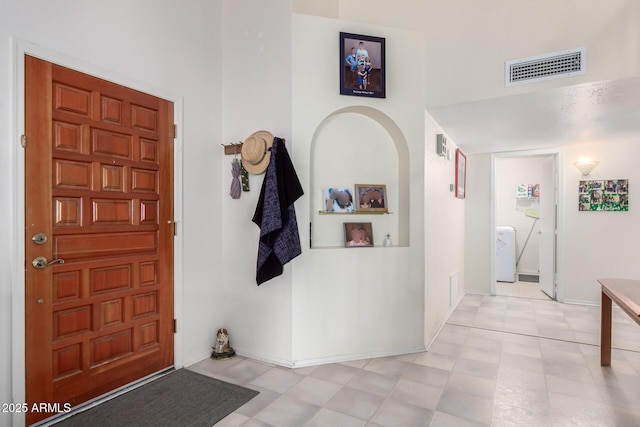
<point>586,166</point>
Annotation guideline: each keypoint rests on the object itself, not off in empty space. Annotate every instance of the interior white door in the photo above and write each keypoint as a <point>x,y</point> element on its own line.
<point>547,222</point>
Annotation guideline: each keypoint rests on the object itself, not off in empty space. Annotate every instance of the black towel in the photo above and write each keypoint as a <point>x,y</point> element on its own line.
<point>276,216</point>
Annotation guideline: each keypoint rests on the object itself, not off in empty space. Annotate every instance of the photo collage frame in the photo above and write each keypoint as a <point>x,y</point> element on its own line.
<point>604,195</point>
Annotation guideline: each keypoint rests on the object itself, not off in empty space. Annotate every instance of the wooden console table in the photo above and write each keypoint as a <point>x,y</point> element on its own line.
<point>626,293</point>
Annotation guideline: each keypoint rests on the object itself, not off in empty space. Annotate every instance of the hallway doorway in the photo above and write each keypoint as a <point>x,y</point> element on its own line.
<point>524,216</point>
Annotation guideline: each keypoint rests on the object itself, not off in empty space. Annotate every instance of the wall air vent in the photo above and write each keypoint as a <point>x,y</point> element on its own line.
<point>567,63</point>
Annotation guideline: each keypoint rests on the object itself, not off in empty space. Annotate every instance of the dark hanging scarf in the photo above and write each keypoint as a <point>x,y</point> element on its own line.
<point>276,216</point>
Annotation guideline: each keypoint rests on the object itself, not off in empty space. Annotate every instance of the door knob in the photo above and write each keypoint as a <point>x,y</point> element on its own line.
<point>41,262</point>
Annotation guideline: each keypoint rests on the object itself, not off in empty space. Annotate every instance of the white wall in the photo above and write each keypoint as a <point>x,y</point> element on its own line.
<point>326,8</point>
<point>256,96</point>
<point>477,224</point>
<point>444,233</point>
<point>600,244</point>
<point>363,302</point>
<point>160,44</point>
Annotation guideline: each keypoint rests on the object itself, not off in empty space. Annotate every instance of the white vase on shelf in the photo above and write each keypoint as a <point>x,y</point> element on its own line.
<point>387,240</point>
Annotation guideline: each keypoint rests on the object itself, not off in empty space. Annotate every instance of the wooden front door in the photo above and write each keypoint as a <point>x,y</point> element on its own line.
<point>99,209</point>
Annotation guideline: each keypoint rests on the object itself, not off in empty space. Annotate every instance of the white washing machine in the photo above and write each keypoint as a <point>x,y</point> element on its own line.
<point>505,261</point>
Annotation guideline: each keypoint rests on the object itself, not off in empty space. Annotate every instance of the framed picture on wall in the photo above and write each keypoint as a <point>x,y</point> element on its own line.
<point>371,198</point>
<point>604,195</point>
<point>362,67</point>
<point>461,174</point>
<point>358,234</point>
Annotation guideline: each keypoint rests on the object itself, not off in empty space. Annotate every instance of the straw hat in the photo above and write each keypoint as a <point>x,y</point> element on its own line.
<point>255,152</point>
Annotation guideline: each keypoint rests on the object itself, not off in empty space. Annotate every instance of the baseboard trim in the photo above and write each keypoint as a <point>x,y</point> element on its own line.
<point>581,302</point>
<point>302,363</point>
<point>446,319</point>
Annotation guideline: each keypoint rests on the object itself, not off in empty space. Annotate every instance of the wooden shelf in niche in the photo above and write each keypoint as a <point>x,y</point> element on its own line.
<point>354,213</point>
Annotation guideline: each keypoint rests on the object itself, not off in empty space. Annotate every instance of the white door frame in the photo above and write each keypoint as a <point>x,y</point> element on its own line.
<point>558,153</point>
<point>20,49</point>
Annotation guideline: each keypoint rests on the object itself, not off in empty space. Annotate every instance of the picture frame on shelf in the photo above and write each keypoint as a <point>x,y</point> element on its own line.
<point>359,77</point>
<point>338,200</point>
<point>358,234</point>
<point>371,198</point>
<point>461,174</point>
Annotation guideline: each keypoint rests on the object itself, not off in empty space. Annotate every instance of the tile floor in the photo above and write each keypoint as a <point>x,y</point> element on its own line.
<point>498,361</point>
<point>520,289</point>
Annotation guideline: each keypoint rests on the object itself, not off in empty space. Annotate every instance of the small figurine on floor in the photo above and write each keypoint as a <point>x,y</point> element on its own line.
<point>222,349</point>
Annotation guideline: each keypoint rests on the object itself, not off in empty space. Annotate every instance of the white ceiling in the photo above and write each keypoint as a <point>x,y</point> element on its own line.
<point>549,118</point>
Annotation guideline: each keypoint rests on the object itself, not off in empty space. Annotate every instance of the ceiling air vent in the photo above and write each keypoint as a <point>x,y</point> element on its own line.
<point>546,67</point>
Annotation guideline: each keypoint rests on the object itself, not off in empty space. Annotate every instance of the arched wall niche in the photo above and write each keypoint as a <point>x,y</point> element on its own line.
<point>359,145</point>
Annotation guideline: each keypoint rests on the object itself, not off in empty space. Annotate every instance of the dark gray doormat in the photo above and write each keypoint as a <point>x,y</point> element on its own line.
<point>181,398</point>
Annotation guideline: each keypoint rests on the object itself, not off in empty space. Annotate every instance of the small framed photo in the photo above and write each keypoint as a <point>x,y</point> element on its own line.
<point>371,198</point>
<point>358,234</point>
<point>337,199</point>
<point>461,174</point>
<point>362,67</point>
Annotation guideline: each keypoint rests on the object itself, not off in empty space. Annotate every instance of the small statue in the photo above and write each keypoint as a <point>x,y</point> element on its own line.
<point>222,349</point>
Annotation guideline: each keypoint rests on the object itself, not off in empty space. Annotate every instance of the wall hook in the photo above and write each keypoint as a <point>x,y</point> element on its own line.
<point>232,148</point>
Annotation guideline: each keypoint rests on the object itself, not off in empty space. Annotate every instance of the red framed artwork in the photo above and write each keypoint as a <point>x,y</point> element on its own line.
<point>461,174</point>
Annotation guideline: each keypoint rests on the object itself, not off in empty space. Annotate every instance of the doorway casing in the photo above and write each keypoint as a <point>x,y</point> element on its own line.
<point>559,247</point>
